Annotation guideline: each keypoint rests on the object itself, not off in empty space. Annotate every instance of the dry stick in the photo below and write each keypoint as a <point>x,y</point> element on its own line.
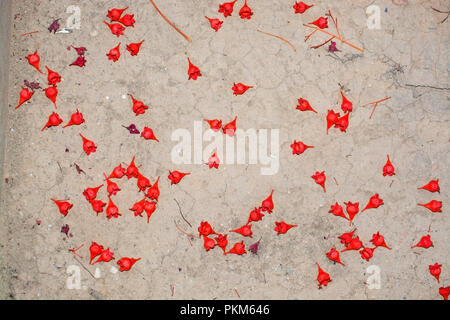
<point>28,33</point>
<point>376,103</point>
<point>181,213</point>
<point>237,293</point>
<point>278,37</point>
<point>169,22</point>
<point>335,36</point>
<point>319,45</point>
<point>74,251</point>
<point>172,289</point>
<point>335,181</point>
<point>188,235</point>
<point>84,267</point>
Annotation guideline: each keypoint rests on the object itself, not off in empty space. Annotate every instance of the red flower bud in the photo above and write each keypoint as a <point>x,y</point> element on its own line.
<point>24,96</point>
<point>299,147</point>
<point>215,124</point>
<point>208,243</point>
<point>333,255</point>
<point>320,178</point>
<point>352,209</point>
<point>425,242</point>
<point>125,264</point>
<point>95,249</point>
<point>227,8</point>
<point>239,88</point>
<point>34,59</point>
<point>432,186</point>
<point>52,77</point>
<point>52,93</point>
<point>88,145</point>
<point>338,211</point>
<point>435,270</point>
<point>378,240</point>
<point>283,227</point>
<point>63,206</point>
<point>303,105</point>
<point>230,128</point>
<point>322,23</point>
<point>216,24</point>
<point>53,121</point>
<point>138,106</point>
<point>134,48</point>
<point>176,176</point>
<point>374,202</point>
<point>245,230</point>
<point>433,205</point>
<point>105,256</point>
<point>346,105</point>
<point>114,53</point>
<point>148,134</point>
<point>76,119</point>
<point>116,28</point>
<point>267,205</point>
<point>388,168</point>
<point>91,193</point>
<point>323,278</point>
<point>193,71</point>
<point>245,12</point>
<point>238,248</point>
<point>153,191</point>
<point>114,14</point>
<point>301,7</point>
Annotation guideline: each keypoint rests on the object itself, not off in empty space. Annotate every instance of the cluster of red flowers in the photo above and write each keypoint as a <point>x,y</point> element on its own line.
<point>238,248</point>
<point>105,255</point>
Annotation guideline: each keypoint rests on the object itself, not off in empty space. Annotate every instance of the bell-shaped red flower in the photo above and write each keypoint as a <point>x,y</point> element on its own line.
<point>117,173</point>
<point>227,8</point>
<point>53,77</point>
<point>320,178</point>
<point>105,256</point>
<point>97,205</point>
<point>176,176</point>
<point>238,248</point>
<point>444,292</point>
<point>432,186</point>
<point>53,121</point>
<point>95,249</point>
<point>323,278</point>
<point>216,24</point>
<point>125,264</point>
<point>208,243</point>
<point>322,22</point>
<point>114,53</point>
<point>425,242</point>
<point>338,211</point>
<point>149,207</point>
<point>132,171</point>
<point>230,128</point>
<point>205,229</point>
<point>52,93</point>
<point>88,145</point>
<point>433,205</point>
<point>378,240</point>
<point>367,253</point>
<point>239,88</point>
<point>215,124</point>
<point>128,20</point>
<point>134,48</point>
<point>63,206</point>
<point>34,59</point>
<point>283,227</point>
<point>138,208</point>
<point>388,169</point>
<point>303,105</point>
<point>148,134</point>
<point>153,191</point>
<point>24,96</point>
<point>267,205</point>
<point>301,7</point>
<point>111,210</point>
<point>333,255</point>
<point>346,238</point>
<point>354,244</point>
<point>138,106</point>
<point>342,123</point>
<point>435,270</point>
<point>91,193</point>
<point>346,105</point>
<point>115,14</point>
<point>75,120</point>
<point>116,28</point>
<point>374,202</point>
<point>142,182</point>
<point>299,147</point>
<point>245,12</point>
<point>352,209</point>
<point>255,215</point>
<point>193,71</point>
<point>222,241</point>
<point>213,161</point>
<point>332,119</point>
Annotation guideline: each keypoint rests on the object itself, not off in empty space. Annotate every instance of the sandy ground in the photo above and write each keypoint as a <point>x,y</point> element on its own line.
<point>407,59</point>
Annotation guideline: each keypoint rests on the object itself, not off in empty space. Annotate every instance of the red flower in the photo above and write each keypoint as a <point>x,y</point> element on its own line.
<point>213,161</point>
<point>378,240</point>
<point>432,186</point>
<point>114,53</point>
<point>367,253</point>
<point>337,211</point>
<point>283,227</point>
<point>148,134</point>
<point>323,278</point>
<point>239,88</point>
<point>333,255</point>
<point>230,128</point>
<point>214,124</point>
<point>303,105</point>
<point>134,48</point>
<point>63,206</point>
<point>346,106</point>
<point>267,205</point>
<point>176,176</point>
<point>433,205</point>
<point>116,28</point>
<point>24,96</point>
<point>322,22</point>
<point>374,202</point>
<point>125,264</point>
<point>245,12</point>
<point>435,270</point>
<point>75,120</point>
<point>208,243</point>
<point>299,147</point>
<point>301,7</point>
<point>138,106</point>
<point>388,168</point>
<point>425,242</point>
<point>193,71</point>
<point>227,8</point>
<point>53,121</point>
<point>238,248</point>
<point>216,24</point>
<point>245,230</point>
<point>320,178</point>
<point>354,244</point>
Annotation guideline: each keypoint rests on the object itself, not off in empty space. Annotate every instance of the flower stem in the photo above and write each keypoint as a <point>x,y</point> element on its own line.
<point>169,22</point>
<point>278,37</point>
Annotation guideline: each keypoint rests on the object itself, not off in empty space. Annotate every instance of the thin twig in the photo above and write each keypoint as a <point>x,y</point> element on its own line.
<point>335,36</point>
<point>335,181</point>
<point>319,45</point>
<point>237,293</point>
<point>188,235</point>
<point>278,37</point>
<point>169,22</point>
<point>28,33</point>
<point>181,213</point>
<point>172,289</point>
<point>375,105</point>
<point>84,267</point>
<point>447,12</point>
<point>74,251</point>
